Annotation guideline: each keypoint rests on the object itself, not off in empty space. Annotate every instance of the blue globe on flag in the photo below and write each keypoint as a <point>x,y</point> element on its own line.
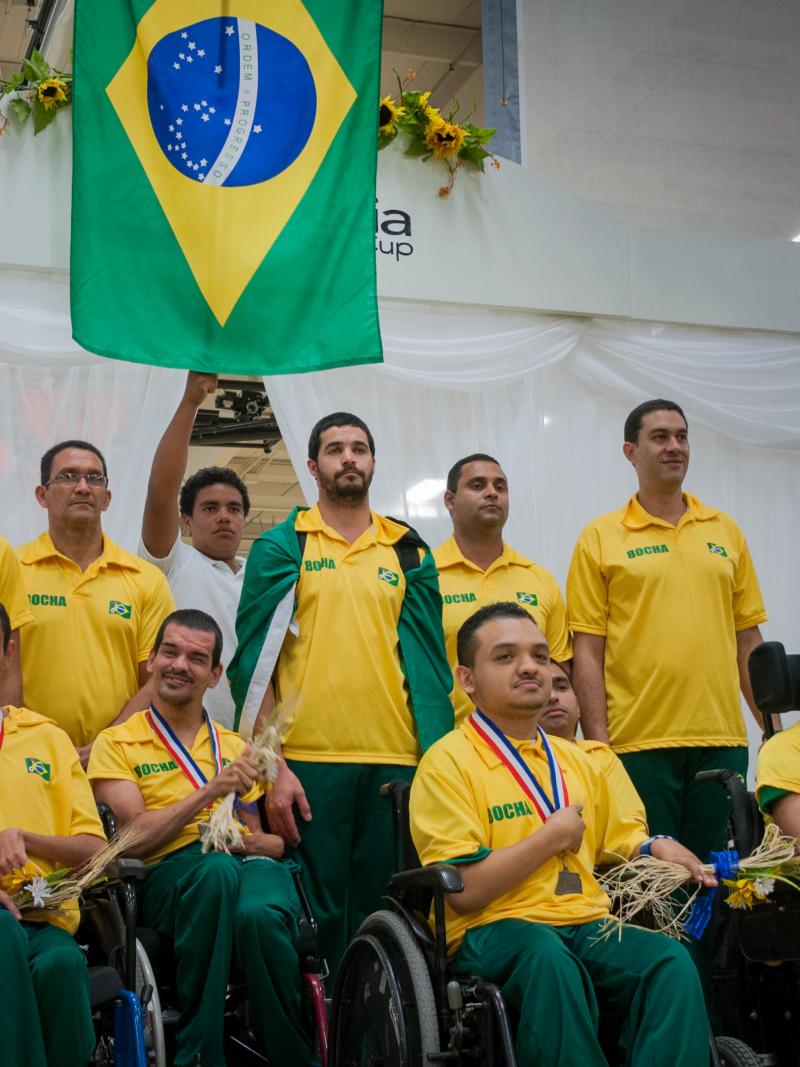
<point>231,102</point>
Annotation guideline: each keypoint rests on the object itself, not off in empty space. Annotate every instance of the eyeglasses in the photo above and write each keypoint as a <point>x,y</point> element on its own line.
<point>93,480</point>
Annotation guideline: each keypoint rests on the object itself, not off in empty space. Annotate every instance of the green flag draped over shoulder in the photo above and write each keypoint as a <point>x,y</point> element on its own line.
<point>224,183</point>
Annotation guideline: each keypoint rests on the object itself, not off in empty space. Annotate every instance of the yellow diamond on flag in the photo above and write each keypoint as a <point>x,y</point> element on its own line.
<point>231,109</point>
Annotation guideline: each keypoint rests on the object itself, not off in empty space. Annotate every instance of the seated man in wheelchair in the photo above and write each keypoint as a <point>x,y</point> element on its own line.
<point>778,780</point>
<point>526,819</point>
<point>48,821</point>
<point>163,770</point>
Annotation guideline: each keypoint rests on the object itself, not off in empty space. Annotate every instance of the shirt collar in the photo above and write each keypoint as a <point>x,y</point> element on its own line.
<point>634,516</point>
<point>383,530</point>
<point>488,756</point>
<point>448,554</point>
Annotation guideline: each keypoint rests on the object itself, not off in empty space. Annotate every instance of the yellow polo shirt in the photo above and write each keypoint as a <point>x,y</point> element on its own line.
<point>131,752</point>
<point>338,674</point>
<point>669,601</point>
<point>43,790</point>
<point>465,804</point>
<point>623,789</point>
<point>778,766</point>
<point>12,592</point>
<point>465,588</point>
<point>92,629</point>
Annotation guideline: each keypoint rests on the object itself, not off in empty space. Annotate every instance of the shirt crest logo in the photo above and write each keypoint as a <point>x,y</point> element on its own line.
<point>37,766</point>
<point>716,550</point>
<point>116,607</point>
<point>528,598</point>
<point>390,577</point>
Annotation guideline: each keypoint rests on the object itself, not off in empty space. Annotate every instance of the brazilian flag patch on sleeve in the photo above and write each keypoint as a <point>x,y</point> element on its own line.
<point>390,577</point>
<point>37,766</point>
<point>116,607</point>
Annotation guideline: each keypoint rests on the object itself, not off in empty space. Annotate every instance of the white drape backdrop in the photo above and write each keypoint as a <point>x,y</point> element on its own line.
<point>547,396</point>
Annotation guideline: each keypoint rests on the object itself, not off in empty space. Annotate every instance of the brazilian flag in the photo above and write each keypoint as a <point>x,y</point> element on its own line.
<point>224,183</point>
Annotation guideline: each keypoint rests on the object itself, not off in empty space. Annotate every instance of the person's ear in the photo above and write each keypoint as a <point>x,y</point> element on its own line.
<point>464,679</point>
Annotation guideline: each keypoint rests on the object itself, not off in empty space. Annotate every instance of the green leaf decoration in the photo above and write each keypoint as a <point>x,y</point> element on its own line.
<point>20,109</point>
<point>41,117</point>
<point>37,68</point>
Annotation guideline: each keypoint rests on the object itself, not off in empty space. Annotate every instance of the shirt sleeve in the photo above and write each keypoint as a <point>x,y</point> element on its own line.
<point>748,604</point>
<point>158,603</point>
<point>624,826</point>
<point>556,629</point>
<point>587,590</point>
<point>166,564</point>
<point>107,760</point>
<point>778,765</point>
<point>12,591</point>
<point>627,800</point>
<point>445,824</point>
<point>85,817</point>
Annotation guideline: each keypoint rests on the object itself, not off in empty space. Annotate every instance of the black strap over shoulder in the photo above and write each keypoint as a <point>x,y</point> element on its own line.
<point>406,549</point>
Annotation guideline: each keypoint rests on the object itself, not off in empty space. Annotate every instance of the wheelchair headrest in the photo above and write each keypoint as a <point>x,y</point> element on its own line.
<point>775,678</point>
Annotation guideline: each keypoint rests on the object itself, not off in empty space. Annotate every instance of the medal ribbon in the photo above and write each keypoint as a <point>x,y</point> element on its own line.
<point>497,741</point>
<point>2,728</point>
<point>172,743</point>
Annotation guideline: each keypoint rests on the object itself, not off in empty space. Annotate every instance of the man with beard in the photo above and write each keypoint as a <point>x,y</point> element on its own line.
<point>339,625</point>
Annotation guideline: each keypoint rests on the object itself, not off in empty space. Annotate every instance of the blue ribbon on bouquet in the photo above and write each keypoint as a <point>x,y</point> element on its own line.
<point>726,864</point>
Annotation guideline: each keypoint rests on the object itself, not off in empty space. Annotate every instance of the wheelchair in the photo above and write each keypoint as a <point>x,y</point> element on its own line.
<point>149,968</point>
<point>396,1002</point>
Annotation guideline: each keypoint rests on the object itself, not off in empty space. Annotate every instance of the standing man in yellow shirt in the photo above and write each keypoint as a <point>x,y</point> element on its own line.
<point>340,622</point>
<point>525,816</point>
<point>665,606</point>
<point>12,594</point>
<point>48,821</point>
<point>477,567</point>
<point>96,608</point>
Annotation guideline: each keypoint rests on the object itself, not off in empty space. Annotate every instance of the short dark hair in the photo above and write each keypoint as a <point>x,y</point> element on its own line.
<point>46,464</point>
<point>5,627</point>
<point>211,476</point>
<point>455,471</point>
<point>467,639</point>
<point>193,619</point>
<point>338,418</point>
<point>633,423</point>
<point>565,668</point>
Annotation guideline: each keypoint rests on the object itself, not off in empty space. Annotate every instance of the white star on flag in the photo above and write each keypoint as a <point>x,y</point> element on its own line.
<point>218,69</point>
<point>184,35</point>
<point>179,122</point>
<point>201,177</point>
<point>188,59</point>
<point>178,135</point>
<point>202,162</point>
<point>184,107</point>
<point>204,117</point>
<point>204,103</point>
<point>177,66</point>
<point>197,107</point>
<point>169,147</point>
<point>256,129</point>
<point>192,45</point>
<point>201,52</point>
<point>212,111</point>
<point>172,129</point>
<point>183,155</point>
<point>227,122</point>
<point>229,30</point>
<point>181,55</point>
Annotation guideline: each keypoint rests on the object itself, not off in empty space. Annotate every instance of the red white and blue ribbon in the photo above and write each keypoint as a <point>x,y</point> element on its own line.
<point>173,744</point>
<point>497,741</point>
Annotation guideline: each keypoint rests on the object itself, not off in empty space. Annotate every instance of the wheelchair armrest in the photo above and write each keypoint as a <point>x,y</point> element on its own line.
<point>436,879</point>
<point>129,870</point>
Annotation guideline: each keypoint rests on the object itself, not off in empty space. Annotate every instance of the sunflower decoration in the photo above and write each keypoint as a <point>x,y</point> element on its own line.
<point>431,135</point>
<point>37,90</point>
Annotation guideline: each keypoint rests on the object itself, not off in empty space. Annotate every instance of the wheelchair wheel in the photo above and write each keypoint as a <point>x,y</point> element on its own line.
<point>384,1012</point>
<point>735,1053</point>
<point>152,1019</point>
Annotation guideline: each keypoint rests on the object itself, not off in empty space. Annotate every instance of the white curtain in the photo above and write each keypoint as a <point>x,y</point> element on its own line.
<point>52,390</point>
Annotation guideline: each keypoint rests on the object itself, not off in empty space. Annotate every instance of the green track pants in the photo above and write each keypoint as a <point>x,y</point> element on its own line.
<point>695,813</point>
<point>45,1013</point>
<point>220,909</point>
<point>558,979</point>
<point>347,850</point>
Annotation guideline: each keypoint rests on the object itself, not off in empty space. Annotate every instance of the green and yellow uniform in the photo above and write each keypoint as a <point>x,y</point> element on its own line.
<point>465,588</point>
<point>669,601</point>
<point>218,909</point>
<point>45,1013</point>
<point>12,591</point>
<point>778,768</point>
<point>542,948</point>
<point>361,669</point>
<point>92,629</point>
<point>620,785</point>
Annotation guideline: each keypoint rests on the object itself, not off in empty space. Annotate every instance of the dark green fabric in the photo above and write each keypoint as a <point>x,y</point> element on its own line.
<point>347,850</point>
<point>481,854</point>
<point>220,910</point>
<point>45,1012</point>
<point>273,568</point>
<point>559,979</point>
<point>694,813</point>
<point>768,794</point>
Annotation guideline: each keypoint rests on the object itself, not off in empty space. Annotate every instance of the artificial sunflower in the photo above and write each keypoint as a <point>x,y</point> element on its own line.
<point>444,139</point>
<point>52,91</point>
<point>388,113</point>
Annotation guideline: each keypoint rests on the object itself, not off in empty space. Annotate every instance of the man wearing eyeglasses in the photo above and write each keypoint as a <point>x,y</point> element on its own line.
<point>96,607</point>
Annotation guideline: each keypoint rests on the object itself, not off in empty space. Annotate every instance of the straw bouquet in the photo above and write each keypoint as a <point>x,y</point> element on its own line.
<point>33,891</point>
<point>223,831</point>
<point>648,885</point>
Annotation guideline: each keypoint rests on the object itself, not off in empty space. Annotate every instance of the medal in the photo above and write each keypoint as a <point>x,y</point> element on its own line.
<point>568,882</point>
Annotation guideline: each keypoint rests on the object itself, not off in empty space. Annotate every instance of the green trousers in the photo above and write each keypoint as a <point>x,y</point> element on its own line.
<point>45,1013</point>
<point>347,850</point>
<point>694,813</point>
<point>558,979</point>
<point>218,910</point>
